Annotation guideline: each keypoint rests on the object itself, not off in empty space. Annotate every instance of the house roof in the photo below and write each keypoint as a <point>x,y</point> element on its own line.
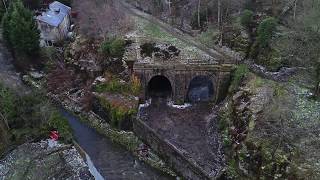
<point>55,15</point>
<point>58,5</point>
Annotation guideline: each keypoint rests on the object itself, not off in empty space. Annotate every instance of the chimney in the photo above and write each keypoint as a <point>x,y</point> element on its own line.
<point>56,10</point>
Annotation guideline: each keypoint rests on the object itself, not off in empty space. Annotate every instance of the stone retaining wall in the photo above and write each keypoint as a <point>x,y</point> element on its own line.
<point>175,157</point>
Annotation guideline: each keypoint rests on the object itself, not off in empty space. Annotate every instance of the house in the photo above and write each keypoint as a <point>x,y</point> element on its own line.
<point>54,24</point>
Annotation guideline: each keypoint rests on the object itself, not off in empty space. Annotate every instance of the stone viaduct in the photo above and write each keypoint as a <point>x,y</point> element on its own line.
<point>181,75</point>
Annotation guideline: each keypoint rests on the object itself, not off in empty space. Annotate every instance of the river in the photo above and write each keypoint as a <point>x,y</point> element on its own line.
<point>111,160</point>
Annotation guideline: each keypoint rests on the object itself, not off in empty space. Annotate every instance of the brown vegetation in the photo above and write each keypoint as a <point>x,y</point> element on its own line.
<point>101,18</point>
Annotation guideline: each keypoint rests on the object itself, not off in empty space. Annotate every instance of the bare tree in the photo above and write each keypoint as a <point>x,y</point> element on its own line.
<point>101,19</point>
<point>5,5</point>
<point>219,14</point>
<point>295,10</point>
<point>199,18</point>
<point>317,88</point>
<point>220,22</point>
<point>4,119</point>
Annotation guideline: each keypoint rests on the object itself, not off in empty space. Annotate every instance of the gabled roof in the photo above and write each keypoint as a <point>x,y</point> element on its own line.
<point>54,17</point>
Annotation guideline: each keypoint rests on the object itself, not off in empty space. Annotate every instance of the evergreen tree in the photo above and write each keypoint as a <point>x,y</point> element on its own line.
<point>6,25</point>
<point>266,30</point>
<point>20,30</point>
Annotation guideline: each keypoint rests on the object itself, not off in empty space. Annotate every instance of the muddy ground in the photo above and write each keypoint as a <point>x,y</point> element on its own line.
<point>193,129</point>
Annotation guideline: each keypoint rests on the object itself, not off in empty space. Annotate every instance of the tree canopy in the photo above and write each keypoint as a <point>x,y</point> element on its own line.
<point>20,30</point>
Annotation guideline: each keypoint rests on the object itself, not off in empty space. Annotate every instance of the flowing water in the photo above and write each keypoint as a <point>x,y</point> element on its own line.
<point>111,160</point>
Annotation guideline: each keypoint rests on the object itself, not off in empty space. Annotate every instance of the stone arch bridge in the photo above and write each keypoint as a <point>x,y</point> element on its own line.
<point>180,78</point>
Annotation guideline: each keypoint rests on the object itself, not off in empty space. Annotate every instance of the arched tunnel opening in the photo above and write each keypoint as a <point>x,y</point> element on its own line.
<point>200,89</point>
<point>159,86</point>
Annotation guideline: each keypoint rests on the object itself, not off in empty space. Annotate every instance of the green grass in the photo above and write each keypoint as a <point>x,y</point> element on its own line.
<point>133,87</point>
<point>152,32</point>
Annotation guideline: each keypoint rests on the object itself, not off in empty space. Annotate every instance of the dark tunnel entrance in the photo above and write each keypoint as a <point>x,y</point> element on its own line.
<point>200,89</point>
<point>159,86</point>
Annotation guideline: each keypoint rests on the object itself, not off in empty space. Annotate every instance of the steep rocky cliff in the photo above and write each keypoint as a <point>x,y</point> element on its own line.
<point>270,131</point>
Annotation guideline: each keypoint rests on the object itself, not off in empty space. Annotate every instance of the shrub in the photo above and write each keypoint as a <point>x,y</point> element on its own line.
<point>238,75</point>
<point>7,103</point>
<point>147,49</point>
<point>59,123</point>
<point>113,48</point>
<point>266,30</point>
<point>118,113</point>
<point>135,85</point>
<point>246,18</point>
<point>115,86</point>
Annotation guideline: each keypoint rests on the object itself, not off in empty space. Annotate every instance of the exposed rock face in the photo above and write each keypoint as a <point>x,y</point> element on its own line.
<point>42,161</point>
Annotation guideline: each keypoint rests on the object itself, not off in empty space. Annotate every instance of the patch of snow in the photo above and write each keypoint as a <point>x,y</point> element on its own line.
<point>147,104</point>
<point>52,143</point>
<point>93,170</point>
<point>36,75</point>
<point>183,106</point>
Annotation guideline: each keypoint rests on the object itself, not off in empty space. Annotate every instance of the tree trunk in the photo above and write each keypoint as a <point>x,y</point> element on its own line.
<point>219,14</point>
<point>274,12</point>
<point>5,5</point>
<point>220,22</point>
<point>199,19</point>
<point>295,10</point>
<point>169,6</point>
<point>317,88</point>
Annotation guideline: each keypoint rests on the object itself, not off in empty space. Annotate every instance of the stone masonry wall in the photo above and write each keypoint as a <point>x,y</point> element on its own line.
<point>180,78</point>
